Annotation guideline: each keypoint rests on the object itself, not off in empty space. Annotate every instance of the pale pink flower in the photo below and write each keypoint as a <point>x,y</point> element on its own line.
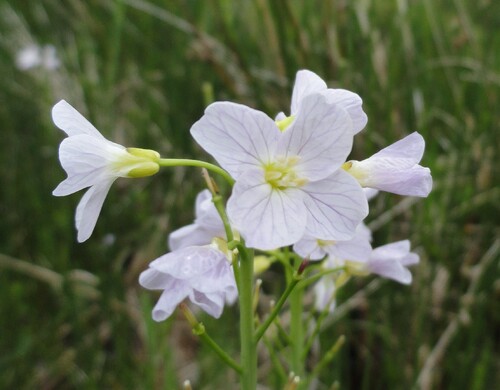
<point>395,169</point>
<point>200,273</point>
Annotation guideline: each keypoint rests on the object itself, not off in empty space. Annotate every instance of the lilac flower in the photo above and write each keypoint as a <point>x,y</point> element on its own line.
<point>200,273</point>
<point>207,225</point>
<point>287,182</point>
<point>395,169</point>
<point>391,260</point>
<point>90,160</point>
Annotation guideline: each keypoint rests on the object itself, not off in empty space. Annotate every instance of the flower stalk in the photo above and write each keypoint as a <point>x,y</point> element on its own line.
<point>247,327</point>
<point>178,162</point>
<point>200,331</point>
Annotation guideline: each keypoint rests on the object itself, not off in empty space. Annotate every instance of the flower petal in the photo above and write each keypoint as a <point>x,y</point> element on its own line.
<point>370,193</point>
<point>169,300</point>
<point>306,83</point>
<point>394,250</point>
<point>335,207</point>
<point>352,103</point>
<point>321,136</point>
<point>210,303</point>
<point>190,235</point>
<point>153,279</point>
<point>187,263</point>
<point>382,174</point>
<point>207,216</point>
<point>219,277</point>
<point>280,116</point>
<point>86,160</point>
<point>391,269</point>
<point>356,249</point>
<point>308,247</point>
<point>71,121</point>
<point>89,208</point>
<point>238,137</point>
<point>265,217</point>
<point>408,151</point>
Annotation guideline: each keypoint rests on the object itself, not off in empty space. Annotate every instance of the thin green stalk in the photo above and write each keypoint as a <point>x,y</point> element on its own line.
<point>200,331</point>
<point>247,327</point>
<point>297,331</point>
<point>221,210</point>
<point>308,281</point>
<point>296,311</point>
<point>177,162</point>
<point>219,205</point>
<point>278,367</point>
<point>217,349</point>
<point>317,327</point>
<point>263,327</point>
<point>328,357</point>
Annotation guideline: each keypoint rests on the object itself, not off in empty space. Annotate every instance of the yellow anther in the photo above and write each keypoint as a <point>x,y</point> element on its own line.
<point>284,123</point>
<point>282,174</point>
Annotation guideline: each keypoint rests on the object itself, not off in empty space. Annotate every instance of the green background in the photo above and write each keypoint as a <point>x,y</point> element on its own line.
<point>73,316</point>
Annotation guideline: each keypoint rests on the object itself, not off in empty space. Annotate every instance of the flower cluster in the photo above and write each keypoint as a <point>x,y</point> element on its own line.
<point>293,186</point>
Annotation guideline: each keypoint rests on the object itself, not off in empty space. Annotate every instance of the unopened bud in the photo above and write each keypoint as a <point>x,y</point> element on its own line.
<point>302,266</point>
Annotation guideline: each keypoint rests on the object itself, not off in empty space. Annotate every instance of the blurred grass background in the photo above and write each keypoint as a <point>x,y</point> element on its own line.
<point>72,315</point>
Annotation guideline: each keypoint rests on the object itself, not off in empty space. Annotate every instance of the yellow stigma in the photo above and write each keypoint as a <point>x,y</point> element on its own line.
<point>355,169</point>
<point>281,173</point>
<point>284,123</point>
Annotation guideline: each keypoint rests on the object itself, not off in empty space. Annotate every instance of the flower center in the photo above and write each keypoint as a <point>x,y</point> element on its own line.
<point>282,173</point>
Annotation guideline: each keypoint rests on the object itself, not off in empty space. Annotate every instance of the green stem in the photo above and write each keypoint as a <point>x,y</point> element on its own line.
<point>200,331</point>
<point>177,162</point>
<point>219,205</point>
<point>328,357</point>
<point>263,327</point>
<point>218,350</point>
<point>247,327</point>
<point>297,331</point>
<point>278,367</point>
<point>317,327</point>
<point>308,281</point>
